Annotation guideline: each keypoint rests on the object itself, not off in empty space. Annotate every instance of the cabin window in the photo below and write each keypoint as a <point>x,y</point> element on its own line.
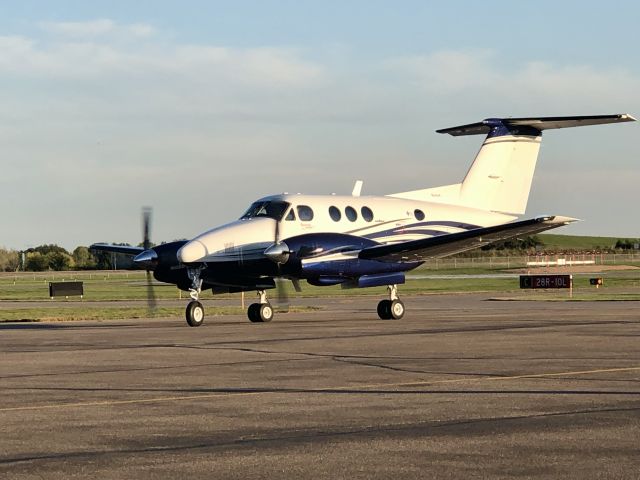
<point>270,209</point>
<point>291,216</point>
<point>419,214</point>
<point>351,214</point>
<point>305,214</point>
<point>367,214</point>
<point>334,213</point>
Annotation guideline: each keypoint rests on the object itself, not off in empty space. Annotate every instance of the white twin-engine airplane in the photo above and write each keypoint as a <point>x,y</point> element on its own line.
<point>365,241</point>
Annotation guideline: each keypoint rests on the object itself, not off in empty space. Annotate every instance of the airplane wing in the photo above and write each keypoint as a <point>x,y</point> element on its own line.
<point>444,245</point>
<point>126,249</point>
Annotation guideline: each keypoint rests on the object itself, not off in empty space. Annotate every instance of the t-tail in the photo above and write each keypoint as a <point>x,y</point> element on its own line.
<point>499,178</point>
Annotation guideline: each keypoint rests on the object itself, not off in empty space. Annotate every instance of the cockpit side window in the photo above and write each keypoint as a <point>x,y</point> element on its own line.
<point>270,209</point>
<point>291,216</point>
<point>305,214</point>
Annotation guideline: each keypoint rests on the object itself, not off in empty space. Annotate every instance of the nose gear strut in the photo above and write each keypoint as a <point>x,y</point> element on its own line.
<point>195,311</point>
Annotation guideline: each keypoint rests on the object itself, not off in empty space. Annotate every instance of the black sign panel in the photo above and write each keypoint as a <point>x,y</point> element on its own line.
<point>545,281</point>
<point>65,289</point>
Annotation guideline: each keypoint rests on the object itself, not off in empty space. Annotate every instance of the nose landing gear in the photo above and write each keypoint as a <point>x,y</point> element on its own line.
<point>195,311</point>
<point>392,309</point>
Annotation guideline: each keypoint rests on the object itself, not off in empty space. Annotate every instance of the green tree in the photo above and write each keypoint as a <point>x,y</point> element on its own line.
<point>518,244</point>
<point>9,260</point>
<point>83,258</point>
<point>59,261</point>
<point>51,248</point>
<point>35,262</point>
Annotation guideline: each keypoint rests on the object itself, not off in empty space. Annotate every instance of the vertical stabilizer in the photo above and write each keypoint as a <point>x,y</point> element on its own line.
<point>500,177</point>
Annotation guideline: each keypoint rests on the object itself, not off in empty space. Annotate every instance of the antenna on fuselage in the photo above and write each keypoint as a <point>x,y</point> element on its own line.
<point>357,188</point>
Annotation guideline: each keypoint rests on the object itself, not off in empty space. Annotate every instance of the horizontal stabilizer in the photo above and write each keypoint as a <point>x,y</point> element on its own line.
<point>449,244</point>
<point>536,123</point>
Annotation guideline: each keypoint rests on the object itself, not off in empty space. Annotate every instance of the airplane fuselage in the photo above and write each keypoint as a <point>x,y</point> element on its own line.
<point>381,219</point>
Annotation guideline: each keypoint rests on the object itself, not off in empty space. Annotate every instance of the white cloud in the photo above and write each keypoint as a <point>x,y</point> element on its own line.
<point>104,117</point>
<point>185,64</point>
<point>80,29</point>
<point>479,76</point>
<point>96,28</point>
<point>446,71</point>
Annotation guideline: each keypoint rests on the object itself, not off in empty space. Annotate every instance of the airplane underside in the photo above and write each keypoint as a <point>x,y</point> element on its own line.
<point>259,276</point>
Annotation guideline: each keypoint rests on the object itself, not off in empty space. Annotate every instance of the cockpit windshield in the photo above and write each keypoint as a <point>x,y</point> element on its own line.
<point>269,209</point>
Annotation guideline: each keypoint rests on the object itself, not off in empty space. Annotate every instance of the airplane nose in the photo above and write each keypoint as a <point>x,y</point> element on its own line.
<point>192,252</point>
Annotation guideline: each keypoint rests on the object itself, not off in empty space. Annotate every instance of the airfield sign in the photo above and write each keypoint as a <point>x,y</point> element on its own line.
<point>546,281</point>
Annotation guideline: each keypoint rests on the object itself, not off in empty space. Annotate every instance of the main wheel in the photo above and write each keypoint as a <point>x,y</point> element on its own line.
<point>195,313</point>
<point>254,313</point>
<point>384,309</point>
<point>260,312</point>
<point>396,309</point>
<point>266,312</point>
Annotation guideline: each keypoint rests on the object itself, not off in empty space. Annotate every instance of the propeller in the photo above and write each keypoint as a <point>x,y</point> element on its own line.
<point>282,296</point>
<point>146,244</point>
<point>279,253</point>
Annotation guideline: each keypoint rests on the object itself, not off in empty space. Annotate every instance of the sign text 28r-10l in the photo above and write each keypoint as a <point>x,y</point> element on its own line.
<point>545,281</point>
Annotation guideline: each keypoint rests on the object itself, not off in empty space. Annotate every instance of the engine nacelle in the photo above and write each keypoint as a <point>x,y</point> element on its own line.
<point>330,259</point>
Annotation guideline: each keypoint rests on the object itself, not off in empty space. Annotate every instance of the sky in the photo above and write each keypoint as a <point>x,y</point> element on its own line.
<point>197,108</point>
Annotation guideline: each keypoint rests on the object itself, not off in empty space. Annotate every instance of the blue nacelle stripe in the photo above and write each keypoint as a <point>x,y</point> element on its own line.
<point>353,268</point>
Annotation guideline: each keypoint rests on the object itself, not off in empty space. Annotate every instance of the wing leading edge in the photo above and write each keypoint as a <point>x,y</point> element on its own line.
<point>537,123</point>
<point>443,245</point>
<point>126,249</point>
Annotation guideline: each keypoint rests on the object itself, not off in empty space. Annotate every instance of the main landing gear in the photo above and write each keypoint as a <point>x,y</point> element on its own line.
<point>195,310</point>
<point>260,312</point>
<point>392,309</point>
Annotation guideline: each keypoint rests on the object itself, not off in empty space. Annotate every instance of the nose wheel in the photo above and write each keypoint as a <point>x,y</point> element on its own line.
<point>392,309</point>
<point>194,313</point>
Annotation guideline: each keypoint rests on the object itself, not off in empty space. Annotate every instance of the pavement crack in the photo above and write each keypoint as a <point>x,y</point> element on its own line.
<point>309,435</point>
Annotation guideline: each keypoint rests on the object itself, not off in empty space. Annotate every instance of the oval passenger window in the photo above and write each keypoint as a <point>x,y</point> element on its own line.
<point>367,214</point>
<point>351,214</point>
<point>335,214</point>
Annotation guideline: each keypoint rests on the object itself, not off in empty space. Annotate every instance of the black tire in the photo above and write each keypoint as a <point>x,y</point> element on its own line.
<point>384,309</point>
<point>265,312</point>
<point>396,310</point>
<point>254,313</point>
<point>194,314</point>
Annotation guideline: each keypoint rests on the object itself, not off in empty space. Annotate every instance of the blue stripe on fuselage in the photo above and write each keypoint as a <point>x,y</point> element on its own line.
<point>413,229</point>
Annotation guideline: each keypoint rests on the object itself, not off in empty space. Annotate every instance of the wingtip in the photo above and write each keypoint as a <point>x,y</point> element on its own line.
<point>560,220</point>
